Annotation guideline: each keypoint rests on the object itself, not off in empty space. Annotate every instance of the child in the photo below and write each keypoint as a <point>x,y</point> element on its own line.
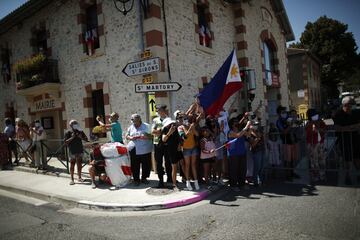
<point>207,154</point>
<point>97,163</point>
<point>220,139</point>
<point>273,146</point>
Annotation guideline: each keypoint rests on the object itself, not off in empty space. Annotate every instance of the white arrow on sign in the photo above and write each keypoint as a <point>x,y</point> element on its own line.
<point>142,67</point>
<point>157,87</point>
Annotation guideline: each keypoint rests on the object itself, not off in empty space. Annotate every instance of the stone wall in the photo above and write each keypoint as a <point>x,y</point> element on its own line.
<point>122,41</point>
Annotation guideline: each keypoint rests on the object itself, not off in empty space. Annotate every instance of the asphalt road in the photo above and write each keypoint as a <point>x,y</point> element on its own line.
<point>282,211</point>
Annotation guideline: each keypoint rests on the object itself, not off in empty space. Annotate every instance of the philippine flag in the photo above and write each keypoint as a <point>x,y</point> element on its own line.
<point>225,83</point>
<point>228,144</point>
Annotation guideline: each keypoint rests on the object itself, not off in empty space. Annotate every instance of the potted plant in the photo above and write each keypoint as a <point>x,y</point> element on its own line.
<point>29,70</point>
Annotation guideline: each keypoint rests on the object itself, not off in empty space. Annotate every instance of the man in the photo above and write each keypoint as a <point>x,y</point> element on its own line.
<point>114,127</point>
<point>172,141</point>
<point>139,133</point>
<point>159,148</point>
<point>73,139</point>
<point>10,133</point>
<point>347,125</point>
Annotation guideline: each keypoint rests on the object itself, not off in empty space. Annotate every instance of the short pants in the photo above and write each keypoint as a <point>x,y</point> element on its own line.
<point>190,152</point>
<point>208,160</point>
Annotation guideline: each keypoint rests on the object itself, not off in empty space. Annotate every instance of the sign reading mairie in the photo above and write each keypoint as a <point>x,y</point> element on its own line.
<point>46,104</point>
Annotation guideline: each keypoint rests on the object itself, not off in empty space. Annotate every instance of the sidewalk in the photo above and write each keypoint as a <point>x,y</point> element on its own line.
<point>54,187</point>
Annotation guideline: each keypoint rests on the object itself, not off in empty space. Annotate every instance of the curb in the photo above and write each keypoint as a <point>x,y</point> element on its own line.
<point>101,206</point>
<point>143,207</point>
<point>44,172</point>
<point>66,201</point>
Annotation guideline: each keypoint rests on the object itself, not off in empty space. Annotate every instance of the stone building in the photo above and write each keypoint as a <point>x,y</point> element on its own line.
<point>304,75</point>
<point>87,43</point>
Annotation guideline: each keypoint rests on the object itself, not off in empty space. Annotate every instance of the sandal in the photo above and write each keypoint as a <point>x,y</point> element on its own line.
<point>81,180</point>
<point>72,182</point>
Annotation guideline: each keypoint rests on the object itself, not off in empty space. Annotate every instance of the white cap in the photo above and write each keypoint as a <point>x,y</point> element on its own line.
<point>135,115</point>
<point>167,122</point>
<point>345,100</point>
<point>176,113</point>
<point>72,121</point>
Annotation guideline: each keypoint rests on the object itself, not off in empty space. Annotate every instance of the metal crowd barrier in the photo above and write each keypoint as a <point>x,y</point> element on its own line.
<point>61,153</point>
<point>341,149</point>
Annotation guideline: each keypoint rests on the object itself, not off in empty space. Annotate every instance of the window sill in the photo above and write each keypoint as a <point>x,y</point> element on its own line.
<point>87,58</point>
<point>205,49</point>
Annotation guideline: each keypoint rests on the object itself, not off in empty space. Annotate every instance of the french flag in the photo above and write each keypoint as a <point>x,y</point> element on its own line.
<point>225,83</point>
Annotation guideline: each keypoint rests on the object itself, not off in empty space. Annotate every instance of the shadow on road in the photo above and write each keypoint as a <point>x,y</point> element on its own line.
<point>275,190</point>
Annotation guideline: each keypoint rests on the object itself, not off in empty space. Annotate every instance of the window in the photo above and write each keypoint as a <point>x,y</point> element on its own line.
<point>204,24</point>
<point>268,61</point>
<point>97,105</point>
<point>91,30</point>
<point>5,65</point>
<point>40,41</point>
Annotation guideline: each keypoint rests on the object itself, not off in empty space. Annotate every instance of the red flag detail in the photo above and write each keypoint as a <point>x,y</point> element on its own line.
<point>121,150</point>
<point>126,170</point>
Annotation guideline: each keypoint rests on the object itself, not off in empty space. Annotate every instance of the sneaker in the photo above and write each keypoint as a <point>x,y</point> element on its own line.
<point>196,183</point>
<point>235,189</point>
<point>72,182</point>
<point>221,182</point>
<point>175,188</point>
<point>114,188</point>
<point>93,186</point>
<point>144,181</point>
<point>188,186</point>
<point>161,185</point>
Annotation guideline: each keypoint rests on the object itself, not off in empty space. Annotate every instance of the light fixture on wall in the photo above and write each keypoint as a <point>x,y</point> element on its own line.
<point>125,6</point>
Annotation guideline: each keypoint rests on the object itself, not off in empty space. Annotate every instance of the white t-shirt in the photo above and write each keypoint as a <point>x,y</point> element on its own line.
<point>40,137</point>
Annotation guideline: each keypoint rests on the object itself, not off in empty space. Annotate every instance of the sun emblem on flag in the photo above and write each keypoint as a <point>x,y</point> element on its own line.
<point>234,71</point>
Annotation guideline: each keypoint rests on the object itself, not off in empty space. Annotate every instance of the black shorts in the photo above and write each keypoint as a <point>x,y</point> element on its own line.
<point>208,160</point>
<point>175,156</point>
<point>99,167</point>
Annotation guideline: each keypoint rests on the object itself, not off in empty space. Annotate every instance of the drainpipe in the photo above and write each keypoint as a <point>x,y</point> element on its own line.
<point>171,99</point>
<point>141,26</point>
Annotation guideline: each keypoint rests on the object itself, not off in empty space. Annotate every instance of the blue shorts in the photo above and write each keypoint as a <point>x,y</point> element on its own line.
<point>190,152</point>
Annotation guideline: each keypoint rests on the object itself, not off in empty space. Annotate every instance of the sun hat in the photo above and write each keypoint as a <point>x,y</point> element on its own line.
<point>167,122</point>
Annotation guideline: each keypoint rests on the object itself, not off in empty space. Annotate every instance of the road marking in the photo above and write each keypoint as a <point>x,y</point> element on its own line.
<point>22,198</point>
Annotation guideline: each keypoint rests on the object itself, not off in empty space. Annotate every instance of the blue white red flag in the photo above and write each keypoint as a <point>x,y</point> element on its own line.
<point>225,83</point>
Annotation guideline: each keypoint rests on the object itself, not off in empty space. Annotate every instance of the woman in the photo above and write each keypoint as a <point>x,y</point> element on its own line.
<point>23,137</point>
<point>257,148</point>
<point>315,136</point>
<point>288,141</point>
<point>39,153</point>
<point>237,154</point>
<point>188,133</point>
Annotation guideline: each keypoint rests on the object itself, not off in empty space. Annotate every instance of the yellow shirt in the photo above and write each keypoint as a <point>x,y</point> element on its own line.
<point>189,142</point>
